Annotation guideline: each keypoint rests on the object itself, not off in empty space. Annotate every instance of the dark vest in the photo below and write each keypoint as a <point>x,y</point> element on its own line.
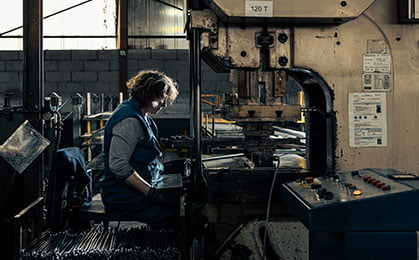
<point>118,196</point>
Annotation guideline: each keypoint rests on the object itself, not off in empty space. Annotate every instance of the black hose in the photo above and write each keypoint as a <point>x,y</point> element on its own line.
<point>51,189</point>
<point>268,211</point>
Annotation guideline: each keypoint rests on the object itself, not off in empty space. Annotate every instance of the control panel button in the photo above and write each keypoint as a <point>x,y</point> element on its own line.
<point>381,184</point>
<point>309,180</point>
<point>328,195</point>
<point>321,192</point>
<point>354,173</point>
<point>386,187</point>
<point>315,186</point>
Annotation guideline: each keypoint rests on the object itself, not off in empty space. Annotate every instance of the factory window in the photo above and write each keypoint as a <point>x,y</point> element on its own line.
<point>156,24</point>
<point>67,24</point>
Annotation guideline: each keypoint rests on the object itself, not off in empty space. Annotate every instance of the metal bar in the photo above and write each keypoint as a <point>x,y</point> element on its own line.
<point>157,36</point>
<point>33,91</point>
<point>63,36</point>
<point>208,102</point>
<point>23,213</point>
<point>33,58</point>
<point>17,223</point>
<point>227,156</point>
<point>195,60</point>
<point>168,4</point>
<point>31,181</point>
<point>48,16</point>
<point>77,102</point>
<point>122,45</point>
<point>102,36</point>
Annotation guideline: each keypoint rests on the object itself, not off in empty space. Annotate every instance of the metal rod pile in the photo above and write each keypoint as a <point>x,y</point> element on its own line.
<point>101,243</point>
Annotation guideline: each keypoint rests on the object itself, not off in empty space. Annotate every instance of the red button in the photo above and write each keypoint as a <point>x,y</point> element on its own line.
<point>309,180</point>
<point>386,187</point>
<point>367,178</point>
<point>371,180</point>
<point>375,182</point>
<point>381,184</point>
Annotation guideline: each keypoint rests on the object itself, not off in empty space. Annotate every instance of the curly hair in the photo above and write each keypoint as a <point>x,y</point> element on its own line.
<point>151,85</point>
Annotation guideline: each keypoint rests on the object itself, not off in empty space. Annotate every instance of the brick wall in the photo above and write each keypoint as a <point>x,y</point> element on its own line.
<point>70,71</point>
<point>11,76</point>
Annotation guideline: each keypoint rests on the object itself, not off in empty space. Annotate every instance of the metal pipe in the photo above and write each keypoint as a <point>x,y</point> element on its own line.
<point>191,90</point>
<point>121,97</point>
<point>77,102</point>
<point>33,57</point>
<point>226,156</point>
<point>197,120</point>
<point>329,120</point>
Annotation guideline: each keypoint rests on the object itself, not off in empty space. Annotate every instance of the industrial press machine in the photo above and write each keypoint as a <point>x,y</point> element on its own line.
<point>356,63</point>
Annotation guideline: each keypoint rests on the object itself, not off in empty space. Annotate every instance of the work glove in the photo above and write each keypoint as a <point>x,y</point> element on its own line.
<point>154,195</point>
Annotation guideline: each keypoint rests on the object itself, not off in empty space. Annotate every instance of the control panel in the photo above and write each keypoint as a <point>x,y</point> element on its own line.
<point>361,200</point>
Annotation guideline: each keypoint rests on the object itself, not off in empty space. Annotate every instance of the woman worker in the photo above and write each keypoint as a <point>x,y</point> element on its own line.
<point>131,151</point>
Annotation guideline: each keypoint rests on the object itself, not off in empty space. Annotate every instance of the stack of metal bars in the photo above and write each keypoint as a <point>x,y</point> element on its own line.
<point>105,243</point>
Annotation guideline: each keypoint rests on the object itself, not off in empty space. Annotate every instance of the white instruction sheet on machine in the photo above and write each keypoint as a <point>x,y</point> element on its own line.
<point>367,120</point>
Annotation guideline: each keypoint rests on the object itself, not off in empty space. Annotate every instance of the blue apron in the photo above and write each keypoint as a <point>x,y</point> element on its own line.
<point>119,197</point>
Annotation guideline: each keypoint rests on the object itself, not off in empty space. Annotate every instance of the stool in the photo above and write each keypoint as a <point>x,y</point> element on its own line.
<point>171,187</point>
<point>96,211</point>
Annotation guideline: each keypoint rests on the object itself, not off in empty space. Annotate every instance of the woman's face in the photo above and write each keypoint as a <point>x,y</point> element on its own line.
<point>157,105</point>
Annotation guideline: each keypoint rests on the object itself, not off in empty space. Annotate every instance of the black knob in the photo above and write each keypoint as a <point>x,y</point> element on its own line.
<point>321,192</point>
<point>328,196</point>
<point>283,61</point>
<point>352,188</point>
<point>354,173</point>
<point>316,186</point>
<point>282,37</point>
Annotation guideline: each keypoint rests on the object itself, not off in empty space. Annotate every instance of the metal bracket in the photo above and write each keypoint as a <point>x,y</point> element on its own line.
<point>204,19</point>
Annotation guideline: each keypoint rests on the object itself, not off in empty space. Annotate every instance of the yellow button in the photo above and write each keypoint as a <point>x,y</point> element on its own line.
<point>304,186</point>
<point>357,192</point>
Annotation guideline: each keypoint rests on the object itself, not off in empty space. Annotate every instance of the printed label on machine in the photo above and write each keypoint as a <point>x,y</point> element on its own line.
<point>259,8</point>
<point>377,63</point>
<point>376,81</point>
<point>367,120</point>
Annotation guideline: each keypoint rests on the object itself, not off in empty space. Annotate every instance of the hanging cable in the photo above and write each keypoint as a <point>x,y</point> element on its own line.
<point>268,208</point>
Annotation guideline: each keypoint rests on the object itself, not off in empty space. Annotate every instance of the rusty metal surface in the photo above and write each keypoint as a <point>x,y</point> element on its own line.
<point>265,113</point>
<point>238,47</point>
<point>336,53</point>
